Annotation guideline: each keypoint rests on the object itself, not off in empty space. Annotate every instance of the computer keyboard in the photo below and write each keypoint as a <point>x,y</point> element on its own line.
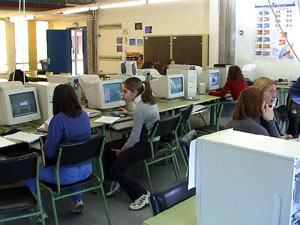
<point>92,112</point>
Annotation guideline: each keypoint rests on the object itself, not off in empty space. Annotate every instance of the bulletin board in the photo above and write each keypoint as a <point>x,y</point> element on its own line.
<point>270,41</point>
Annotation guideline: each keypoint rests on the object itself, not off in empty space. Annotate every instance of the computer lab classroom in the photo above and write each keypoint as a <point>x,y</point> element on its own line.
<point>142,112</point>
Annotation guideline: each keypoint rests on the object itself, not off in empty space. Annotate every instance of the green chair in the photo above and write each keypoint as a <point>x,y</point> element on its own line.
<point>208,129</point>
<point>186,113</point>
<point>19,199</point>
<point>73,153</point>
<point>167,129</point>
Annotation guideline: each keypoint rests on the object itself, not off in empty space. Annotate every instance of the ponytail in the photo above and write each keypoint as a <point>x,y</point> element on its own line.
<point>147,95</point>
<point>144,89</point>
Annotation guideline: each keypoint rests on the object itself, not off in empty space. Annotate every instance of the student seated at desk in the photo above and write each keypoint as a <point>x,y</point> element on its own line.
<point>69,124</point>
<point>119,155</point>
<point>166,66</point>
<point>250,107</point>
<point>294,109</point>
<point>269,96</point>
<point>149,65</point>
<point>235,84</point>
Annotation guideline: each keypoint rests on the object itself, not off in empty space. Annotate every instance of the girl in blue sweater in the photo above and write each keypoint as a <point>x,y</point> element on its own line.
<point>69,124</point>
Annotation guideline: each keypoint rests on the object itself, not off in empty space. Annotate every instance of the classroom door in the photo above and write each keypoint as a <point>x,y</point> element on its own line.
<point>187,50</point>
<point>59,51</point>
<point>157,50</point>
<point>79,46</point>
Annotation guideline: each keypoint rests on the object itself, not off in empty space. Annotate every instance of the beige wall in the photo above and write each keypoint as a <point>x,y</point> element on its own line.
<point>63,24</point>
<point>183,17</point>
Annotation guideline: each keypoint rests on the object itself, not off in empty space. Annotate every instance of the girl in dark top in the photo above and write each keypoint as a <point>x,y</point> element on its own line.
<point>250,107</point>
<point>235,84</point>
<point>119,155</point>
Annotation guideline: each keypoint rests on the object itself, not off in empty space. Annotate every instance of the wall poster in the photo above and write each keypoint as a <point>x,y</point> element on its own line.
<point>270,42</point>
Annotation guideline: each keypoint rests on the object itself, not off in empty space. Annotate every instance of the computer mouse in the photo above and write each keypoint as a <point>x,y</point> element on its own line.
<point>189,98</point>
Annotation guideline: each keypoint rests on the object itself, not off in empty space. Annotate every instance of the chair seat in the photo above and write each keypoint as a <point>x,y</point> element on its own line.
<point>209,129</point>
<point>18,198</point>
<point>89,180</point>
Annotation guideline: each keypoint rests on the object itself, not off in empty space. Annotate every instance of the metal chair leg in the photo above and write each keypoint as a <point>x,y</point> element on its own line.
<point>105,205</point>
<point>54,211</point>
<point>148,176</point>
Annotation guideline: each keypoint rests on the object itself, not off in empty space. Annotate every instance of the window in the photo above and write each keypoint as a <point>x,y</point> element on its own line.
<point>41,41</point>
<point>21,45</point>
<point>3,53</point>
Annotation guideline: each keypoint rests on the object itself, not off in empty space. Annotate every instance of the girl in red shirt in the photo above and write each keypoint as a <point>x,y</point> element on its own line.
<point>235,83</point>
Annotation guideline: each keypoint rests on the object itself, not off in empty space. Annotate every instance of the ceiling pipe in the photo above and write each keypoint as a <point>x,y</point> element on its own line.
<point>15,4</point>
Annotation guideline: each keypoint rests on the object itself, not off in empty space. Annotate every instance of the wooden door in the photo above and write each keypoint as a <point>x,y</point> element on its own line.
<point>187,50</point>
<point>157,50</point>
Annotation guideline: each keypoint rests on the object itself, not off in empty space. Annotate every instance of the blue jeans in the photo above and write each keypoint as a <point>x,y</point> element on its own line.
<point>67,175</point>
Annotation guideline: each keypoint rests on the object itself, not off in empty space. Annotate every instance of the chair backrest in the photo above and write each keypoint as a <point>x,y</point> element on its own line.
<point>76,152</point>
<point>281,114</point>
<point>17,169</point>
<point>185,143</point>
<point>228,109</point>
<point>166,126</point>
<point>186,113</point>
<point>170,196</point>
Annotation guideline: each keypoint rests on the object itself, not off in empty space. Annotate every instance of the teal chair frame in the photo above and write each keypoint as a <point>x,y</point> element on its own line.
<point>97,183</point>
<point>38,210</point>
<point>172,147</point>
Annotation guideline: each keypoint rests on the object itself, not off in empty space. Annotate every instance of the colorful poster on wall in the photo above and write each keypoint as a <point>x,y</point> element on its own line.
<point>270,41</point>
<point>119,40</point>
<point>131,41</point>
<point>148,29</point>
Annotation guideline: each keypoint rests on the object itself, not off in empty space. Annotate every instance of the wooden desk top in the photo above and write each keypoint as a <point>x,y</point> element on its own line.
<point>183,213</point>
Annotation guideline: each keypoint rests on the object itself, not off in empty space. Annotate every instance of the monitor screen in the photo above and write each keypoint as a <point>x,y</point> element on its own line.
<point>23,104</point>
<point>112,92</point>
<point>176,85</point>
<point>214,78</point>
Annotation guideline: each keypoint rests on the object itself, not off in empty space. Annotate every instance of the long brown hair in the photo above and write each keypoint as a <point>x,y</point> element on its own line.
<point>249,104</point>
<point>235,73</point>
<point>135,84</point>
<point>65,100</point>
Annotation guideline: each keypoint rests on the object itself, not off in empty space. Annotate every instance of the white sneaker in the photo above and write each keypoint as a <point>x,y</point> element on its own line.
<point>114,188</point>
<point>141,202</point>
<point>77,207</point>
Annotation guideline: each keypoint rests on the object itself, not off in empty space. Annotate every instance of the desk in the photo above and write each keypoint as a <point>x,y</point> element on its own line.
<point>211,101</point>
<point>183,213</point>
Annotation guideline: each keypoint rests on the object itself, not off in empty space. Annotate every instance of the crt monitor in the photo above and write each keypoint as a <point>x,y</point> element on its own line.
<point>169,86</point>
<point>211,78</point>
<point>19,106</point>
<point>104,94</point>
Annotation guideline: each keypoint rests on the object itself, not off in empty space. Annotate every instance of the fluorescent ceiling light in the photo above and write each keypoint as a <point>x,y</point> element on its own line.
<point>77,10</point>
<point>21,18</point>
<point>161,1</point>
<point>94,7</point>
<point>123,4</point>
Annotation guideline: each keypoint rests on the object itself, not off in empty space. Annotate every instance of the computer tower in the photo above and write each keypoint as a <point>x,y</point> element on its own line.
<point>190,81</point>
<point>45,91</point>
<point>246,179</point>
<point>72,80</point>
